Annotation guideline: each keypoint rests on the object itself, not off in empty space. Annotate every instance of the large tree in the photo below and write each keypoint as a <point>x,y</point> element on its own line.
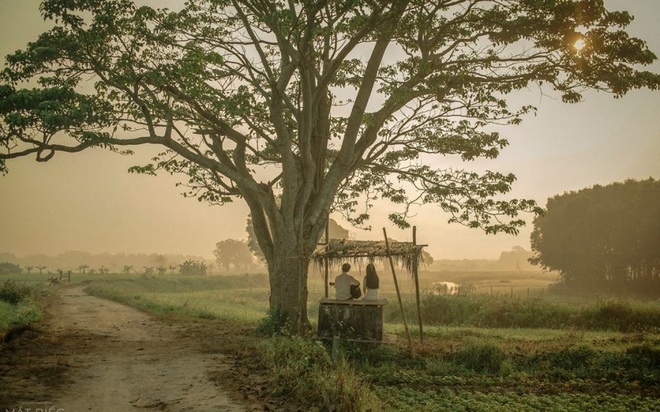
<point>603,238</point>
<point>301,108</point>
<point>233,254</point>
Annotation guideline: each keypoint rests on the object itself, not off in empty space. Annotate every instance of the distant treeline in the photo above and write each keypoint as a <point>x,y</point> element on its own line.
<point>113,263</point>
<point>516,259</point>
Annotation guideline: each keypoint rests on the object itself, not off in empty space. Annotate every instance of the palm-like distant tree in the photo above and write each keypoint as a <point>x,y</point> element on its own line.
<point>41,269</point>
<point>127,269</point>
<point>29,269</point>
<point>161,270</point>
<point>82,268</point>
<point>172,269</point>
<point>148,270</point>
<point>103,270</point>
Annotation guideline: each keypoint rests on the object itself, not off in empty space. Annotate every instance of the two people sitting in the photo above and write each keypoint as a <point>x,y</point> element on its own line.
<point>344,282</point>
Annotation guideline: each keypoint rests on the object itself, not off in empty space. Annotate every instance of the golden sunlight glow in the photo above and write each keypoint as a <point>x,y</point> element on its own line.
<point>579,45</point>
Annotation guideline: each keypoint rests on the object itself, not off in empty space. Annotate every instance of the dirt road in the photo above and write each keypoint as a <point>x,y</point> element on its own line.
<point>96,355</point>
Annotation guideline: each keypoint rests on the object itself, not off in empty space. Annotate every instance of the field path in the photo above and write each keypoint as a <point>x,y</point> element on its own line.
<point>105,356</point>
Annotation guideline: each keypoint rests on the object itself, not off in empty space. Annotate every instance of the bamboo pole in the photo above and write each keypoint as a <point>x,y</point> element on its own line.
<point>416,278</point>
<point>398,294</point>
<point>325,260</point>
<point>325,275</point>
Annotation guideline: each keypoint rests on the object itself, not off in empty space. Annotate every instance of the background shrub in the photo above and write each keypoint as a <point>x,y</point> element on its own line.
<point>13,293</point>
<point>7,268</point>
<point>481,357</point>
<point>326,386</point>
<point>504,312</point>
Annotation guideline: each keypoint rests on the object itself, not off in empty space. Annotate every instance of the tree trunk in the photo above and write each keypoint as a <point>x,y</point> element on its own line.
<point>288,284</point>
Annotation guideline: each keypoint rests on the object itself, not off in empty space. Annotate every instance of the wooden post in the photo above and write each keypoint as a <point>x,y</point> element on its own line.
<point>325,260</point>
<point>398,294</point>
<point>416,278</point>
<point>335,348</point>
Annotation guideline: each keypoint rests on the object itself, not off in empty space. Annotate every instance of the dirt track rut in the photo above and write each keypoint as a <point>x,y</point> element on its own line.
<point>116,358</point>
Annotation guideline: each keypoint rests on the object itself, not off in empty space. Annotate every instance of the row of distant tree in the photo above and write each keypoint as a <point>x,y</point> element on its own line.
<point>603,238</point>
<point>516,259</point>
<point>188,267</point>
<point>84,262</point>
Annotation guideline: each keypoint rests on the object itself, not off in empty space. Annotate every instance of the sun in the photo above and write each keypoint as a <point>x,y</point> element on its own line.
<point>579,44</point>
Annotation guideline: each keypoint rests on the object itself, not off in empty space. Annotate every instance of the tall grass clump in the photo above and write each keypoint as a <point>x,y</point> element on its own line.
<point>516,312</point>
<point>617,315</point>
<point>13,293</point>
<point>303,372</point>
<point>580,358</point>
<point>19,305</point>
<point>274,323</point>
<point>482,357</point>
<point>493,311</point>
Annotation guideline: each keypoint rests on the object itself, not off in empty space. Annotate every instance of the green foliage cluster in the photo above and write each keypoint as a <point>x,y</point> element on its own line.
<point>193,268</point>
<point>482,357</point>
<point>503,312</point>
<point>303,372</point>
<point>473,373</point>
<point>13,293</point>
<point>7,268</point>
<point>603,238</point>
<point>19,305</point>
<point>274,323</point>
<point>531,380</point>
<point>637,364</point>
<point>442,399</point>
<point>234,254</point>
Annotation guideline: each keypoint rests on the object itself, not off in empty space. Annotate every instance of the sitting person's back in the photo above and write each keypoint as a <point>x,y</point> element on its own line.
<point>371,283</point>
<point>343,283</point>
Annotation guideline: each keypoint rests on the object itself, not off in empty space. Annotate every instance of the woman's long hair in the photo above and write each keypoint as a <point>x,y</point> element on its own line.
<point>372,281</point>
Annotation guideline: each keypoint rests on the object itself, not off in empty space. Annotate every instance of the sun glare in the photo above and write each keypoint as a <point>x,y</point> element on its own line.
<point>579,45</point>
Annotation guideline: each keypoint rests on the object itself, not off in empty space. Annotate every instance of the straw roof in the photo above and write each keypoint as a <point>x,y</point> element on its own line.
<point>337,250</point>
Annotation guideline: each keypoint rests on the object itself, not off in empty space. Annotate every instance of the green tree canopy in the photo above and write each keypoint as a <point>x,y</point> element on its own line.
<point>7,268</point>
<point>300,108</point>
<point>604,237</point>
<point>233,254</point>
<point>193,268</point>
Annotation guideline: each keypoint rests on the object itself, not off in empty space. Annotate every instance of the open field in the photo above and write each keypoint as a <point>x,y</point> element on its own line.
<point>456,368</point>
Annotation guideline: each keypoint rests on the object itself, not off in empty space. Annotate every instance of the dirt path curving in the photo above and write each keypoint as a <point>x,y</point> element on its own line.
<point>96,355</point>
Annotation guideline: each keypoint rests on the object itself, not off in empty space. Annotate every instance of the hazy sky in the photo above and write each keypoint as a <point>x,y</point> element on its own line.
<point>88,201</point>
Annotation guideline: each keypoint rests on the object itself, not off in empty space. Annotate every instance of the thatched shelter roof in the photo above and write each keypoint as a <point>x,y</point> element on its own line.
<point>337,251</point>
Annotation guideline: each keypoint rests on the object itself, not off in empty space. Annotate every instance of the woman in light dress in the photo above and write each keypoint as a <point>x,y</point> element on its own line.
<point>371,283</point>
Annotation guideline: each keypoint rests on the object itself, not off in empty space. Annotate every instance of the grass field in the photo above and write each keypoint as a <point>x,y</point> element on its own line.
<point>576,366</point>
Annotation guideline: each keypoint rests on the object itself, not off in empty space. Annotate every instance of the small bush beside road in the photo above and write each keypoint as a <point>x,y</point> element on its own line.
<point>19,306</point>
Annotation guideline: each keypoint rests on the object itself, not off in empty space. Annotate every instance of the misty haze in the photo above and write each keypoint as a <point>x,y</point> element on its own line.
<point>331,206</point>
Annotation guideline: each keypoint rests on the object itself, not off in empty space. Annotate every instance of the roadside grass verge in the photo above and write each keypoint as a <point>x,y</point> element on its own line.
<point>19,306</point>
<point>239,298</point>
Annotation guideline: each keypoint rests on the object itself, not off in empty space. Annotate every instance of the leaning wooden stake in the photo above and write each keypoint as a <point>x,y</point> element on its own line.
<point>398,294</point>
<point>415,269</point>
<point>325,260</point>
